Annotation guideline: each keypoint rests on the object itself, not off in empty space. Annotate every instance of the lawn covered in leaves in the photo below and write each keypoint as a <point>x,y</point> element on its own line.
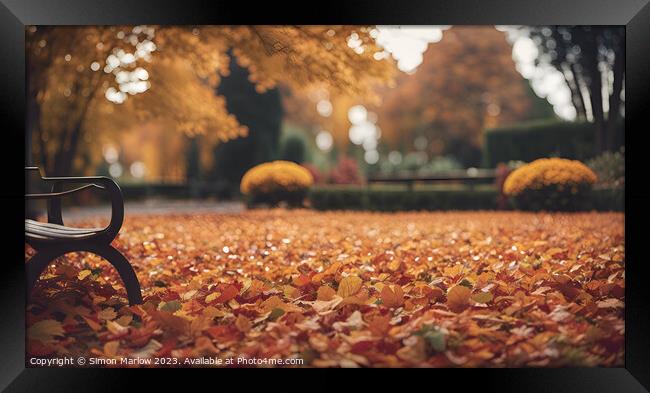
<point>347,289</point>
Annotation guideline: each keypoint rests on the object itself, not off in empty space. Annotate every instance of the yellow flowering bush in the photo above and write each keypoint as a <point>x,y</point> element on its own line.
<point>276,181</point>
<point>550,184</point>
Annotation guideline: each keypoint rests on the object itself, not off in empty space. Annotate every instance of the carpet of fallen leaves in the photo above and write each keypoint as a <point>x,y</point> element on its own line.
<point>347,289</point>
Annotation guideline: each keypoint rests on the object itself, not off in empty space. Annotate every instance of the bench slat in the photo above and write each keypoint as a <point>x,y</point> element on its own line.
<point>50,231</point>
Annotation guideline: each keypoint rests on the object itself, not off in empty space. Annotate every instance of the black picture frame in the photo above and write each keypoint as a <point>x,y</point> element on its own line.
<point>633,14</point>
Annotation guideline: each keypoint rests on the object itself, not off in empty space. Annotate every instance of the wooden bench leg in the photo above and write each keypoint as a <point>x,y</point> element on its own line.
<point>125,271</point>
<point>42,259</point>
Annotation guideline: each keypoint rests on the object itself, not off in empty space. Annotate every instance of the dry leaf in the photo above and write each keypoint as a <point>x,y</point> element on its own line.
<point>458,298</point>
<point>45,330</point>
<point>349,286</point>
<point>392,296</point>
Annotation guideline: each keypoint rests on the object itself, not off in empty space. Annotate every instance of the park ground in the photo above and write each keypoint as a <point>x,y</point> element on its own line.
<point>345,289</point>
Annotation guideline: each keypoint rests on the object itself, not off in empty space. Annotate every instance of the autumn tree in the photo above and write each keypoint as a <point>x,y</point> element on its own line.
<point>80,77</point>
<point>592,61</point>
<point>467,82</point>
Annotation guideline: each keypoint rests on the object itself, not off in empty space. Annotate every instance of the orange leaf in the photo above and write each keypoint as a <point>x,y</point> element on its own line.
<point>325,293</point>
<point>243,323</point>
<point>301,280</point>
<point>458,298</point>
<point>227,293</point>
<point>379,325</point>
<point>392,297</point>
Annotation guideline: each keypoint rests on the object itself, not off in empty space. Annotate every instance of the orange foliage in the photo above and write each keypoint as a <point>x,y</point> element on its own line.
<point>73,71</point>
<point>347,289</point>
<point>466,83</point>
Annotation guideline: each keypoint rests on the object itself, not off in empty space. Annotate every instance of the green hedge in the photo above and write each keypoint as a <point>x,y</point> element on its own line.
<point>607,199</point>
<point>396,198</point>
<point>533,140</point>
<point>399,198</point>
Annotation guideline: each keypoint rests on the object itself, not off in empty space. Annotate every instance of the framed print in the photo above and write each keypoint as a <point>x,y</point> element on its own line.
<point>442,186</point>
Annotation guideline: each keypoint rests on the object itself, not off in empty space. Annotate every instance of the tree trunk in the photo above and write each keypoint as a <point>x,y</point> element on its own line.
<point>615,99</point>
<point>578,93</point>
<point>594,83</point>
<point>64,160</point>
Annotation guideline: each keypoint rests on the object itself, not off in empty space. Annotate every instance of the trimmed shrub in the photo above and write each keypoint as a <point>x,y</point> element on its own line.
<point>533,140</point>
<point>400,199</point>
<point>437,198</point>
<point>275,182</point>
<point>550,184</point>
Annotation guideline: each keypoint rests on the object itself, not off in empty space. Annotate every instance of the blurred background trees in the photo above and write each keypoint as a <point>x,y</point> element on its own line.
<point>201,105</point>
<point>80,78</point>
<point>592,61</point>
<point>467,82</point>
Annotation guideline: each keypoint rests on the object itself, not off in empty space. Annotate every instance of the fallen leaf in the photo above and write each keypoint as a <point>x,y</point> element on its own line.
<point>325,293</point>
<point>458,298</point>
<point>610,303</point>
<point>107,314</point>
<point>110,348</point>
<point>349,286</point>
<point>482,297</point>
<point>45,330</point>
<point>83,274</point>
<point>392,297</point>
<point>379,325</point>
<point>243,324</point>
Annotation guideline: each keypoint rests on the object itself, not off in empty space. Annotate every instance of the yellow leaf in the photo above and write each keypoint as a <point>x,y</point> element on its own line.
<point>349,286</point>
<point>45,330</point>
<point>212,312</point>
<point>395,264</point>
<point>107,314</point>
<point>482,297</point>
<point>291,292</point>
<point>275,302</point>
<point>115,328</point>
<point>211,297</point>
<point>458,298</point>
<point>83,274</point>
<point>124,320</point>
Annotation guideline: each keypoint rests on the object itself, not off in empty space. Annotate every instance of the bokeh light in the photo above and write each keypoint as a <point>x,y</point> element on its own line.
<point>115,170</point>
<point>407,44</point>
<point>137,169</point>
<point>324,140</point>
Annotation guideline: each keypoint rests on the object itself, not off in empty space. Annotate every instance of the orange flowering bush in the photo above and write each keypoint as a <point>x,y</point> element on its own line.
<point>550,184</point>
<point>276,181</point>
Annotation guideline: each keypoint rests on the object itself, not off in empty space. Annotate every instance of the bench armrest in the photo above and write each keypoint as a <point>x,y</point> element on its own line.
<point>48,195</point>
<point>109,185</point>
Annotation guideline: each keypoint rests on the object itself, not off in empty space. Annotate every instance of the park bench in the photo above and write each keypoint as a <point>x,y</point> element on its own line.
<point>53,239</point>
<point>470,177</point>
